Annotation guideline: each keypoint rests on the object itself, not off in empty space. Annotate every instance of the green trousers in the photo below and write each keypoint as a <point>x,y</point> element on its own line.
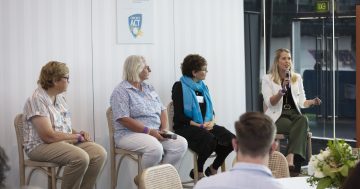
<point>295,125</point>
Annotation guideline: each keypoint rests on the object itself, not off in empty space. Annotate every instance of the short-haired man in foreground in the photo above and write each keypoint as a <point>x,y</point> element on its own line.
<point>255,134</point>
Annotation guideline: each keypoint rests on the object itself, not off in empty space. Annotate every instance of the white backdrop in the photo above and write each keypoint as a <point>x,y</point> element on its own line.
<point>82,33</point>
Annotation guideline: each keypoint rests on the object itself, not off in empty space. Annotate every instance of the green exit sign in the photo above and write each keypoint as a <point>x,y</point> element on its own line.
<point>322,6</point>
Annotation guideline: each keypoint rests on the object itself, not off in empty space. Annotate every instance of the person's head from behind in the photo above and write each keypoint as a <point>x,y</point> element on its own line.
<point>135,69</point>
<point>54,75</point>
<point>3,166</point>
<point>194,66</point>
<point>255,135</point>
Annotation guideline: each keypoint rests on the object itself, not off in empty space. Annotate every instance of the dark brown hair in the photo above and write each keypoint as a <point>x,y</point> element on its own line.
<point>192,62</point>
<point>255,133</point>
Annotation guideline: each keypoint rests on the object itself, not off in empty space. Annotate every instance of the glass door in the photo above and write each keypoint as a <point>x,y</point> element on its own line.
<point>326,62</point>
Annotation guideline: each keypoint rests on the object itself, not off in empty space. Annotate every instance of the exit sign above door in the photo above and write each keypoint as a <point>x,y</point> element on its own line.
<point>322,6</point>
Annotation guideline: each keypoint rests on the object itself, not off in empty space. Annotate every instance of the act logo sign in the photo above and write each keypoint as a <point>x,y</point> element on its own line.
<point>135,22</point>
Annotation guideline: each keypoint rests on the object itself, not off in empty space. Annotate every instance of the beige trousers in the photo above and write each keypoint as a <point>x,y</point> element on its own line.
<point>83,162</point>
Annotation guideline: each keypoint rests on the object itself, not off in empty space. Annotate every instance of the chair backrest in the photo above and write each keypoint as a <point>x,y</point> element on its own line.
<point>278,165</point>
<point>160,177</point>
<point>19,124</point>
<point>262,106</point>
<point>109,116</point>
<point>170,112</point>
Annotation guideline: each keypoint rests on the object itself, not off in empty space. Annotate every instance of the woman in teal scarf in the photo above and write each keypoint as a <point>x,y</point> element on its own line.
<point>194,116</point>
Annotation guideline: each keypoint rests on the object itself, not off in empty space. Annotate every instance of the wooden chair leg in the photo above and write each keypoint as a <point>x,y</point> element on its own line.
<point>309,145</point>
<point>53,178</point>
<point>196,170</point>
<point>22,176</point>
<point>113,171</point>
<point>49,177</point>
<point>139,158</point>
<point>223,167</point>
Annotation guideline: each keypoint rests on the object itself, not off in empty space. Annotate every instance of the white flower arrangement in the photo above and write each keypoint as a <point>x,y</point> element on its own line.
<point>330,167</point>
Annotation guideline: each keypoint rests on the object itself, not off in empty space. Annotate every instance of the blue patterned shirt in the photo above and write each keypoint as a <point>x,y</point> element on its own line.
<point>144,106</point>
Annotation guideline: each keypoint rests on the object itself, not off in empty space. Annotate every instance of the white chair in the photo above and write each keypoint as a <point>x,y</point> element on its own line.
<point>160,177</point>
<point>114,152</point>
<point>170,112</point>
<point>52,170</point>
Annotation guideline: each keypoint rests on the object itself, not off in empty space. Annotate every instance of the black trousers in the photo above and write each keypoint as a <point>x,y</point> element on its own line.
<point>205,142</point>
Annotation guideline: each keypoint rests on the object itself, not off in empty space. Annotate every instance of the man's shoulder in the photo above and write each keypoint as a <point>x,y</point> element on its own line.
<point>238,179</point>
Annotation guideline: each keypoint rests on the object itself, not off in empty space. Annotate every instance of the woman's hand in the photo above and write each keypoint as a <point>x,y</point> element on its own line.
<point>86,136</point>
<point>155,133</point>
<point>316,101</point>
<point>209,125</point>
<point>284,85</point>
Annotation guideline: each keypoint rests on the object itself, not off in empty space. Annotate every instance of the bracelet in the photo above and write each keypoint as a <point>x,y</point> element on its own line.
<point>79,138</point>
<point>202,126</point>
<point>281,93</point>
<point>146,130</point>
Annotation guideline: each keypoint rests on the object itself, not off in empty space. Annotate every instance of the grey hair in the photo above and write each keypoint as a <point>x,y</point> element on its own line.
<point>133,66</point>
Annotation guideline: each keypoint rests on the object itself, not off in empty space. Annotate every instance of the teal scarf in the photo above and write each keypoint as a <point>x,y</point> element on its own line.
<point>191,104</point>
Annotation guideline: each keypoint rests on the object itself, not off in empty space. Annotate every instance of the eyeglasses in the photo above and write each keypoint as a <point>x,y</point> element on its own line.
<point>148,68</point>
<point>67,78</point>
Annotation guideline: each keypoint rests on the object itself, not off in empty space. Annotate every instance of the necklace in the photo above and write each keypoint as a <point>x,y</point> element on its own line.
<point>286,105</point>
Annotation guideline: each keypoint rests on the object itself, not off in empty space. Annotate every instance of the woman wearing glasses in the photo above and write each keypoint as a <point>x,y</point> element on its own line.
<point>194,116</point>
<point>140,118</point>
<point>49,136</point>
<point>284,95</point>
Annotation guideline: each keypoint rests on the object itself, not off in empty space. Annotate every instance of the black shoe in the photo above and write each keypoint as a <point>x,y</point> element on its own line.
<point>208,172</point>
<point>291,168</point>
<point>191,174</point>
<point>294,174</point>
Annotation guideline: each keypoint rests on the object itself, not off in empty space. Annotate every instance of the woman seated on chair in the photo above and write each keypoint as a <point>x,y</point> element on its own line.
<point>49,136</point>
<point>284,95</point>
<point>140,118</point>
<point>194,116</point>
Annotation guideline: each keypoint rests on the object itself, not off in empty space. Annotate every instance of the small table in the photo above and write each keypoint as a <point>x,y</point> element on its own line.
<point>295,183</point>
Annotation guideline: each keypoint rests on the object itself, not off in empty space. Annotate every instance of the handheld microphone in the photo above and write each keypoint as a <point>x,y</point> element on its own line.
<point>287,75</point>
<point>169,136</point>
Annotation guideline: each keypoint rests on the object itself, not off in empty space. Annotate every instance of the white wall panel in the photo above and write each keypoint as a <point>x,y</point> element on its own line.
<point>108,61</point>
<point>82,33</point>
<point>214,29</point>
<point>32,33</point>
<point>215,32</point>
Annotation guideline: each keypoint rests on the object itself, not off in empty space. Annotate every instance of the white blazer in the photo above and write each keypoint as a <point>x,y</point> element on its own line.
<point>270,88</point>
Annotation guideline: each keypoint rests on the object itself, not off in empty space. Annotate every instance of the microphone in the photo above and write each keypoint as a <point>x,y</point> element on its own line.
<point>287,75</point>
<point>169,136</point>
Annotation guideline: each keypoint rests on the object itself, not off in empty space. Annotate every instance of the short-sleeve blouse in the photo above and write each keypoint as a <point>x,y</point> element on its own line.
<point>142,105</point>
<point>40,104</point>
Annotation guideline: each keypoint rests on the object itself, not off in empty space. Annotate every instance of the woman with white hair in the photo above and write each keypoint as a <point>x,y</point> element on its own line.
<point>140,118</point>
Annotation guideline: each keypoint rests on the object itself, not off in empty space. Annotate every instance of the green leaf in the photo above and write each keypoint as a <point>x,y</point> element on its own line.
<point>324,183</point>
<point>327,170</point>
<point>344,170</point>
